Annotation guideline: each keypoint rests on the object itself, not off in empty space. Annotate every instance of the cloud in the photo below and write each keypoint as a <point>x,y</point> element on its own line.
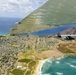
<point>40,1</point>
<point>37,1</point>
<point>20,6</point>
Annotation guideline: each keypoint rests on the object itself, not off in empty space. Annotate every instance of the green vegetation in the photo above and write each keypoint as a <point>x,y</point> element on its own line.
<point>53,13</point>
<point>67,51</point>
<point>28,73</point>
<point>13,45</point>
<point>29,53</point>
<point>25,60</point>
<point>64,49</point>
<point>17,72</point>
<point>28,47</point>
<point>31,65</point>
<point>30,60</point>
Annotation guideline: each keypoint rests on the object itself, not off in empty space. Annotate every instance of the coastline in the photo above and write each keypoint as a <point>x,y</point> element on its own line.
<point>37,70</point>
<point>39,66</point>
<point>55,54</point>
<point>41,62</point>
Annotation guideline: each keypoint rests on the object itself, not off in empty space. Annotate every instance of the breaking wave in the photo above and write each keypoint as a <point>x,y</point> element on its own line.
<point>65,65</point>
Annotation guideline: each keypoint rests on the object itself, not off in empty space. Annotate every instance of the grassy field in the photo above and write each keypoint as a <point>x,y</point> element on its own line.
<point>64,49</point>
<point>26,57</point>
<point>17,72</point>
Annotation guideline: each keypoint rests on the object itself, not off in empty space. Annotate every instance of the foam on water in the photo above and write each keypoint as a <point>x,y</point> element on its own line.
<point>40,72</point>
<point>57,62</point>
<point>71,65</point>
<point>49,60</point>
<point>58,73</point>
<point>65,65</point>
<point>60,58</point>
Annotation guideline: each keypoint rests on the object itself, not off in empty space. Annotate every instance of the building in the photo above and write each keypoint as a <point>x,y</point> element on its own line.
<point>68,34</point>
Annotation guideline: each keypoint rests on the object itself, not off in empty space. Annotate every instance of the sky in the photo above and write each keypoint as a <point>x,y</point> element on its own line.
<point>18,8</point>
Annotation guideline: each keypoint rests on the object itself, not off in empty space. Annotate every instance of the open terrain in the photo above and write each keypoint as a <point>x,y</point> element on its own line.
<point>20,55</point>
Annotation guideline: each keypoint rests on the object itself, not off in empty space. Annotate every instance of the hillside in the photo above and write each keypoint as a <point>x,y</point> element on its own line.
<point>70,31</point>
<point>53,13</point>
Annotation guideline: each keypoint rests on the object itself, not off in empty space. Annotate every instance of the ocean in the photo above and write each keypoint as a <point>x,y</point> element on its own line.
<point>53,66</point>
<point>59,66</point>
<point>6,23</point>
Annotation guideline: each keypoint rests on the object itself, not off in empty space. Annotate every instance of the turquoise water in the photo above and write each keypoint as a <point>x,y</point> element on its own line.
<point>60,66</point>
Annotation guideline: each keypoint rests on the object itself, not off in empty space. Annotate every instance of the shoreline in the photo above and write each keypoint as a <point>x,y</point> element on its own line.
<point>39,66</point>
<point>55,54</point>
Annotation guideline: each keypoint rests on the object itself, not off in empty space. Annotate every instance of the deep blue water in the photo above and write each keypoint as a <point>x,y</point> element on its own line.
<point>63,66</point>
<point>53,30</point>
<point>6,24</point>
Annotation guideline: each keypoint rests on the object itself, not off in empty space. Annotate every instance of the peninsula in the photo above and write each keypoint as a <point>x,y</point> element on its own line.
<point>25,54</point>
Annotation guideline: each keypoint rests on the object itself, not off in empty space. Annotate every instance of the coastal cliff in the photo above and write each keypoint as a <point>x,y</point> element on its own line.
<point>51,14</point>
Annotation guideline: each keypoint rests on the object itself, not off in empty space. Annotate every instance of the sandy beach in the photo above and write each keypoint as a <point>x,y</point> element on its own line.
<point>48,54</point>
<point>38,68</point>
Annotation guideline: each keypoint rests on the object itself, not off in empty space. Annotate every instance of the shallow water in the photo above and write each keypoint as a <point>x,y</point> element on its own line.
<point>60,66</point>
